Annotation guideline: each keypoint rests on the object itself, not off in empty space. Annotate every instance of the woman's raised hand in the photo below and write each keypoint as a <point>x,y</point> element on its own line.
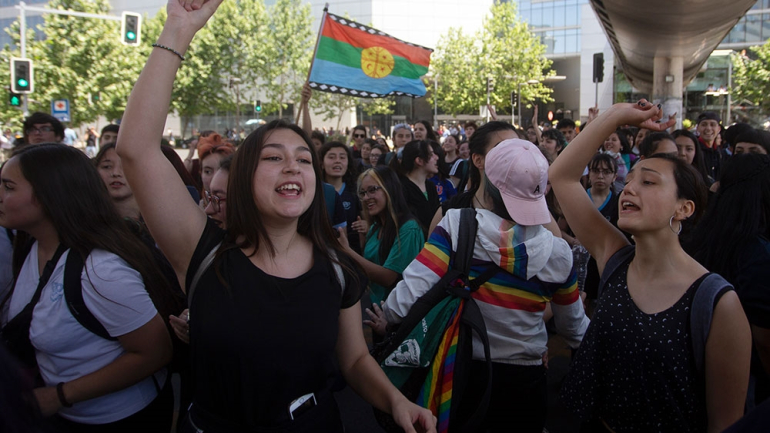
<point>643,114</point>
<point>190,14</point>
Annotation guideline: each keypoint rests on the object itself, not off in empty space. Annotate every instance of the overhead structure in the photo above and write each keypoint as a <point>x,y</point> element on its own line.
<point>642,31</point>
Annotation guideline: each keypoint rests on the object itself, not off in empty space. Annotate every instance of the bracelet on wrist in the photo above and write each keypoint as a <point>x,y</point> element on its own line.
<point>169,49</point>
<point>60,394</point>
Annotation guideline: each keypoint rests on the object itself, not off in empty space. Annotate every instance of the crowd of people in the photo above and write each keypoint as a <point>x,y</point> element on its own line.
<point>263,273</point>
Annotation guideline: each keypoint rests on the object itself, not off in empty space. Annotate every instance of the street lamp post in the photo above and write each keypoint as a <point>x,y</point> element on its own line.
<point>435,102</point>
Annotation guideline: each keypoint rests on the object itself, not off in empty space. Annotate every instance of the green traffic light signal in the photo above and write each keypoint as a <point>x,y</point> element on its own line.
<point>131,35</point>
<point>15,100</point>
<point>258,107</point>
<point>22,82</point>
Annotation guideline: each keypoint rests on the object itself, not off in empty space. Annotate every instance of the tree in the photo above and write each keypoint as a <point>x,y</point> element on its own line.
<point>82,60</point>
<point>289,44</point>
<point>751,77</point>
<point>504,50</point>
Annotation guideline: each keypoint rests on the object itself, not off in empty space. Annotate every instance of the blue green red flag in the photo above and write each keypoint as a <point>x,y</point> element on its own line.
<point>357,60</point>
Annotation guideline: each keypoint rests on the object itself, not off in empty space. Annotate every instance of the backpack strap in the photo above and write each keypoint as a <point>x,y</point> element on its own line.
<point>621,256</point>
<point>205,263</point>
<point>426,302</point>
<point>711,289</point>
<point>466,240</point>
<point>73,294</point>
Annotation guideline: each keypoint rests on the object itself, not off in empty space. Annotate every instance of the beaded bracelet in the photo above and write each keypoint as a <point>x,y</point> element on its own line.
<point>169,49</point>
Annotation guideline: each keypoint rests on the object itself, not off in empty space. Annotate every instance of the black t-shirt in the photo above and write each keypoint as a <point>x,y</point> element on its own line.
<point>262,341</point>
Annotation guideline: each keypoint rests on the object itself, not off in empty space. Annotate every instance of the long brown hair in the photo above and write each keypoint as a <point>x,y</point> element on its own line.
<point>74,198</point>
<point>245,228</point>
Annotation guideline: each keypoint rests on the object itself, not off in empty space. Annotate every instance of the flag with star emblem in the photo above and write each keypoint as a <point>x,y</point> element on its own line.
<point>353,59</point>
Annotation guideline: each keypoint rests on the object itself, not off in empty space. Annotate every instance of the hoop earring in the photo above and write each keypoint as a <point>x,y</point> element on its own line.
<point>671,226</point>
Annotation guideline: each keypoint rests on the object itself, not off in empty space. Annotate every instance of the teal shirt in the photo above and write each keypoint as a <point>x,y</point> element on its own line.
<point>405,248</point>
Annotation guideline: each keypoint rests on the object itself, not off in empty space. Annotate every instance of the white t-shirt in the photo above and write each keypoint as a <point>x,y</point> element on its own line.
<point>65,350</point>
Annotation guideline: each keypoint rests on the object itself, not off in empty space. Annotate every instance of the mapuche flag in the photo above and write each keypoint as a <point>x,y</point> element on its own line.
<point>357,60</point>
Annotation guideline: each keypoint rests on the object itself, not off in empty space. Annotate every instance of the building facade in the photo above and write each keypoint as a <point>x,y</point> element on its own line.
<point>569,29</point>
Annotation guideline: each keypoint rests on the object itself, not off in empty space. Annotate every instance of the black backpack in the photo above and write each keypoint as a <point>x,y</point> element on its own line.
<point>455,283</point>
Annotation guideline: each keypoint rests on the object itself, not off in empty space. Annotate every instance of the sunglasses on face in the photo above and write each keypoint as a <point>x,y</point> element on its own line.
<point>359,135</point>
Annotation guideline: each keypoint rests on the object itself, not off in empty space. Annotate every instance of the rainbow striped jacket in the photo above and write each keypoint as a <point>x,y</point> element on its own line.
<point>535,269</point>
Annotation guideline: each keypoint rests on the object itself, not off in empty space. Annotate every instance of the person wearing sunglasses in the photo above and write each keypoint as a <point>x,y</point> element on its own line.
<point>42,128</point>
<point>357,138</point>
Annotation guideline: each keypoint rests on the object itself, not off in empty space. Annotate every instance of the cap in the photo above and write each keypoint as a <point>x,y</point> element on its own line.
<point>520,171</point>
<point>708,115</point>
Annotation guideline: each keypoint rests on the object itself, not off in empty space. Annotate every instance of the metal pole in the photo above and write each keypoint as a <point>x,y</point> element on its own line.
<point>518,102</point>
<point>487,99</point>
<point>729,89</point>
<point>23,48</point>
<point>596,99</point>
<point>435,102</point>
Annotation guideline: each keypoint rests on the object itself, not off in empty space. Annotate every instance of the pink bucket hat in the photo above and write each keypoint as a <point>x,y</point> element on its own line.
<point>520,171</point>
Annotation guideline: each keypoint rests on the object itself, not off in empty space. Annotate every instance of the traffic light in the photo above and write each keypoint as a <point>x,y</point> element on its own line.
<point>490,84</point>
<point>21,75</point>
<point>598,67</point>
<point>14,99</point>
<point>131,29</point>
<point>258,106</point>
<point>514,99</point>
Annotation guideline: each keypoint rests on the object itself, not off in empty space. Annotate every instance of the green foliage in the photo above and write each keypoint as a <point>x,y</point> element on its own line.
<point>79,56</point>
<point>751,77</point>
<point>289,43</point>
<point>505,50</point>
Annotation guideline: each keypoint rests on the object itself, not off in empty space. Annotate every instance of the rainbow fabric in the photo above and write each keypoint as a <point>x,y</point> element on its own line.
<point>357,60</point>
<point>436,392</point>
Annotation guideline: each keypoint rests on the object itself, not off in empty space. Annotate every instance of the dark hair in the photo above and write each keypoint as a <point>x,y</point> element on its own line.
<point>689,186</point>
<point>477,145</point>
<point>730,135</point>
<point>88,220</point>
<point>244,219</point>
<point>556,135</point>
<point>411,151</point>
<point>471,124</point>
<point>351,174</point>
<point>371,142</point>
<point>697,161</point>
<point>754,136</point>
<point>384,151</point>
<point>498,205</point>
<point>359,128</point>
<point>226,162</point>
<point>603,159</point>
<point>38,118</point>
<point>566,123</point>
<point>102,150</point>
<point>431,134</point>
<point>443,167</point>
<point>625,147</point>
<point>737,215</point>
<point>178,164</point>
<point>318,135</point>
<point>110,128</point>
<point>396,212</point>
<point>649,145</point>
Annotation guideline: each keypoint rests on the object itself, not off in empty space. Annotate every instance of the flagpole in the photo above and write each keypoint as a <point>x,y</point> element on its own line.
<point>315,51</point>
